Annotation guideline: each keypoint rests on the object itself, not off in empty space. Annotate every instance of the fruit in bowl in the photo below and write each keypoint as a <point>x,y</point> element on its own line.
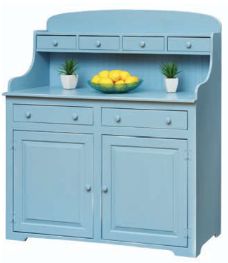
<point>114,81</point>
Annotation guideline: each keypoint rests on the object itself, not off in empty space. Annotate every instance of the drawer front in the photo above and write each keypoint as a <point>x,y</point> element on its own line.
<point>56,42</point>
<point>189,44</point>
<point>53,114</point>
<point>96,43</point>
<point>143,43</point>
<point>160,119</point>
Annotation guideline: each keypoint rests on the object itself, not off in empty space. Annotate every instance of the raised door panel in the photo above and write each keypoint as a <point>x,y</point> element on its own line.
<point>53,177</point>
<point>144,190</point>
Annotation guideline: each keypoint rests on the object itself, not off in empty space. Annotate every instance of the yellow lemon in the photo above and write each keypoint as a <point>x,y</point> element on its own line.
<point>119,82</point>
<point>103,74</point>
<point>124,74</point>
<point>120,85</point>
<point>106,82</point>
<point>95,79</point>
<point>114,74</point>
<point>131,80</point>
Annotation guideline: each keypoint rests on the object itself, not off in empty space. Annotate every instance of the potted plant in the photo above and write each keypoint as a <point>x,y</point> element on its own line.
<point>68,74</point>
<point>170,71</point>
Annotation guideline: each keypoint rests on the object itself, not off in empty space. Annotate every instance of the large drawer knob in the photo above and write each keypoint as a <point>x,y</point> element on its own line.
<point>117,118</point>
<point>188,44</point>
<point>55,43</point>
<point>75,116</point>
<point>168,121</point>
<point>28,115</point>
<point>142,44</point>
<point>98,43</point>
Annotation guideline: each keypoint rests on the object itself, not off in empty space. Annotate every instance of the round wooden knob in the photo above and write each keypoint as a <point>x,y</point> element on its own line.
<point>188,44</point>
<point>142,44</point>
<point>105,189</point>
<point>88,188</point>
<point>98,43</point>
<point>118,118</point>
<point>75,116</point>
<point>168,121</point>
<point>28,115</point>
<point>55,43</point>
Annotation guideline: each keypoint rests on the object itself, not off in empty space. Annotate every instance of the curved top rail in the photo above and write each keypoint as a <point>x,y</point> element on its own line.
<point>134,21</point>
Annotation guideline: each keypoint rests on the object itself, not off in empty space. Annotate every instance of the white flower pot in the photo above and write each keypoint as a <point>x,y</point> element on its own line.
<point>171,84</point>
<point>69,81</point>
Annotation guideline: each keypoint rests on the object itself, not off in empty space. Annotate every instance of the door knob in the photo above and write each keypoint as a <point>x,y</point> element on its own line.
<point>88,188</point>
<point>75,116</point>
<point>105,189</point>
<point>28,115</point>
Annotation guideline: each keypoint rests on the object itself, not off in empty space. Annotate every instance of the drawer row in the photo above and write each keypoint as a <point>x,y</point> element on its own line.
<point>129,43</point>
<point>122,117</point>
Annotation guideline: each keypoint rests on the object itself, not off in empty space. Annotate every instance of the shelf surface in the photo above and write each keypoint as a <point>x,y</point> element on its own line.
<point>88,93</point>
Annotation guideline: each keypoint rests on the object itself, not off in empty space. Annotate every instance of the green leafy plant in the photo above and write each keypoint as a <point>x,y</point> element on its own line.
<point>170,70</point>
<point>69,67</point>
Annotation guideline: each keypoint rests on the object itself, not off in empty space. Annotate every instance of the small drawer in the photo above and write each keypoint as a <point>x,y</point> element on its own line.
<point>96,42</point>
<point>187,44</point>
<point>56,42</point>
<point>143,43</point>
<point>160,119</point>
<point>53,114</point>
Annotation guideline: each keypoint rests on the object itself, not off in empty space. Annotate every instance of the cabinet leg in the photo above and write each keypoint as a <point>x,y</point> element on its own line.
<point>16,236</point>
<point>217,234</point>
<point>182,252</point>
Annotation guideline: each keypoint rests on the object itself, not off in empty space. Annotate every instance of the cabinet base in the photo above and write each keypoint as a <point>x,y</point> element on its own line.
<point>178,251</point>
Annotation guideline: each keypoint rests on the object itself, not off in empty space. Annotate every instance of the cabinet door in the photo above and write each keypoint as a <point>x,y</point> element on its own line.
<point>144,190</point>
<point>53,177</point>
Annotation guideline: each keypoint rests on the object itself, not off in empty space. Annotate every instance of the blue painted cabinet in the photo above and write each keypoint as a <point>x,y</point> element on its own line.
<point>138,174</point>
<point>53,178</point>
<point>137,168</point>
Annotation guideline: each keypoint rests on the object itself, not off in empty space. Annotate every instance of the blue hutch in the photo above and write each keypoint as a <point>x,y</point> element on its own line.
<point>140,168</point>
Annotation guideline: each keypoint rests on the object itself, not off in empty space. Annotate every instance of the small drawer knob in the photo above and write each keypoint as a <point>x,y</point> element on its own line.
<point>105,189</point>
<point>28,115</point>
<point>168,121</point>
<point>188,44</point>
<point>118,118</point>
<point>88,188</point>
<point>55,43</point>
<point>98,43</point>
<point>142,44</point>
<point>75,116</point>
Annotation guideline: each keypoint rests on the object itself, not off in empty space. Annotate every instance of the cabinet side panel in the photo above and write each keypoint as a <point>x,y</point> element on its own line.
<point>209,151</point>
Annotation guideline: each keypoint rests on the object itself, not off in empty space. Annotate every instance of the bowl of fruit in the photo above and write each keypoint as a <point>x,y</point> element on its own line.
<point>114,81</point>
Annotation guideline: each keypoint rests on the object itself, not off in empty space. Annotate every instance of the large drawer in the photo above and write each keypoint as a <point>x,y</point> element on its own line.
<point>143,43</point>
<point>56,42</point>
<point>99,42</point>
<point>189,44</point>
<point>53,114</point>
<point>160,119</point>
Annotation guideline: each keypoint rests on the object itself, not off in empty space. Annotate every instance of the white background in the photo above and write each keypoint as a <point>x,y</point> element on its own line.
<point>18,20</point>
